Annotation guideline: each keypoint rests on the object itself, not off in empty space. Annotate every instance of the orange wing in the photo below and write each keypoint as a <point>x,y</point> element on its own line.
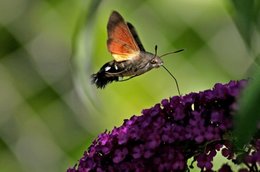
<point>120,43</point>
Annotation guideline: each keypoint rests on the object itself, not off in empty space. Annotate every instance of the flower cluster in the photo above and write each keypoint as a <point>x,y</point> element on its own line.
<point>165,136</point>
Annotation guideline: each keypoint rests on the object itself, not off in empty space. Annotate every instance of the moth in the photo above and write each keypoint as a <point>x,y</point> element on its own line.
<point>130,57</point>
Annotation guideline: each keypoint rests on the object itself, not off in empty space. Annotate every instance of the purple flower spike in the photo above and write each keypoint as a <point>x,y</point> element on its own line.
<point>165,136</point>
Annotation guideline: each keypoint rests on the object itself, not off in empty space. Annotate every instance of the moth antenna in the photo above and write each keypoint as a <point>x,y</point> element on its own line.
<point>155,50</point>
<point>171,52</point>
<point>174,79</point>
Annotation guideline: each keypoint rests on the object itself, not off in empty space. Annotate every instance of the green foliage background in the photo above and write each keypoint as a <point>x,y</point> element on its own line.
<point>49,111</point>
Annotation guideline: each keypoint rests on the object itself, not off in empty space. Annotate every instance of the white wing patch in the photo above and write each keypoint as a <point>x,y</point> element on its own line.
<point>107,68</point>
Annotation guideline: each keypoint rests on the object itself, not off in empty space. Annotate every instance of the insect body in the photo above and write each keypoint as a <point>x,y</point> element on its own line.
<point>113,70</point>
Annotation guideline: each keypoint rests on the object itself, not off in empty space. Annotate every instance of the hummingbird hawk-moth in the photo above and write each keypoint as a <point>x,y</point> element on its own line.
<point>130,57</point>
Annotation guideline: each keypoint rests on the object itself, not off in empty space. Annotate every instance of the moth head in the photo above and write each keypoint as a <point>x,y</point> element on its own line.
<point>156,62</point>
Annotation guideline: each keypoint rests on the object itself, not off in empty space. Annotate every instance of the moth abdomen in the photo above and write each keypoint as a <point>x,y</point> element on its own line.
<point>105,75</point>
<point>101,80</point>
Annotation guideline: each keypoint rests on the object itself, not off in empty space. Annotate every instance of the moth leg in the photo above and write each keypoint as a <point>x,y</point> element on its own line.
<point>127,78</point>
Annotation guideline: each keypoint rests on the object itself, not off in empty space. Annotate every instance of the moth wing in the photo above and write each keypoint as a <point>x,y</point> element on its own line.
<point>121,43</point>
<point>135,35</point>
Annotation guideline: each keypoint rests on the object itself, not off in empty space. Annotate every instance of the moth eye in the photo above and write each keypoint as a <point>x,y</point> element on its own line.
<point>153,61</point>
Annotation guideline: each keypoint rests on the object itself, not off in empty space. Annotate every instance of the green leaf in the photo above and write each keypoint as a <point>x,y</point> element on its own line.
<point>249,113</point>
<point>245,16</point>
<point>82,49</point>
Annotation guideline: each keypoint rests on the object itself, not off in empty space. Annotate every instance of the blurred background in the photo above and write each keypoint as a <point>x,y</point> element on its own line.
<point>49,111</point>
